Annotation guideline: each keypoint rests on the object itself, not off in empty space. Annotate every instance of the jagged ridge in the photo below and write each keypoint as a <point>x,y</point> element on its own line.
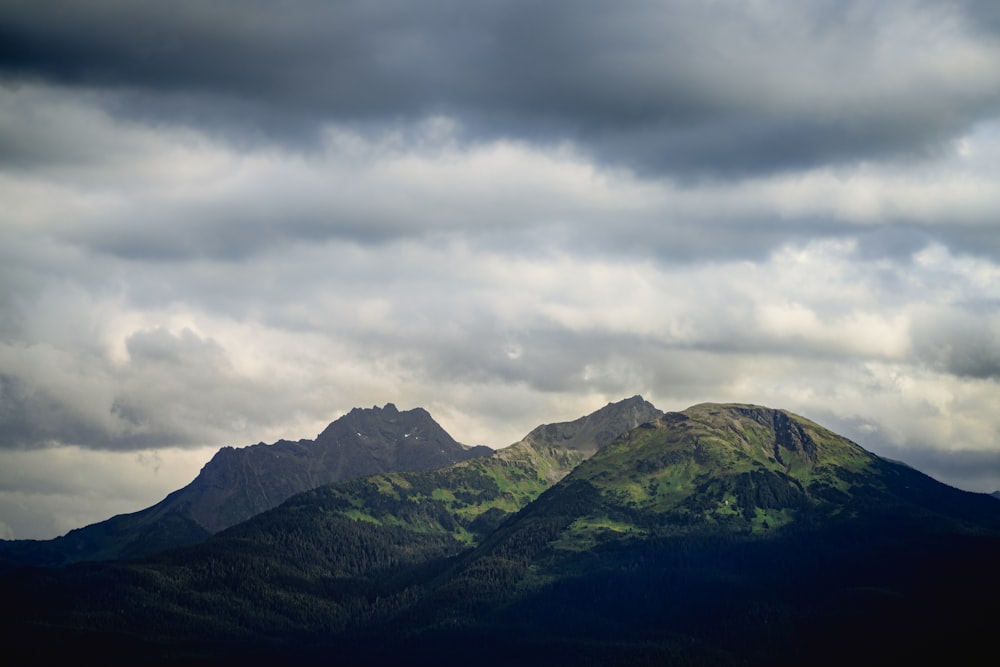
<point>238,483</point>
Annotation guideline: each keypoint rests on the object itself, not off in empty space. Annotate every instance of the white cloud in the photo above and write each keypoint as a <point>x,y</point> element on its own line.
<point>47,492</point>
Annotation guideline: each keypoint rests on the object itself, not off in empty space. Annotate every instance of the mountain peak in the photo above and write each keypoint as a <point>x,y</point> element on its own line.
<point>629,401</point>
<point>362,421</point>
<point>388,409</point>
<point>789,434</point>
<point>588,434</point>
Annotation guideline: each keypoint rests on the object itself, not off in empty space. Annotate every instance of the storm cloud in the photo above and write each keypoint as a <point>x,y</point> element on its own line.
<point>678,87</point>
<point>233,222</point>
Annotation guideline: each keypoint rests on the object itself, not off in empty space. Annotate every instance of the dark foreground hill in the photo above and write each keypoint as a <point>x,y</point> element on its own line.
<point>241,482</point>
<point>725,534</point>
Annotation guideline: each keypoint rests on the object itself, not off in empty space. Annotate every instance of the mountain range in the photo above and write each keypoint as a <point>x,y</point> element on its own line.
<point>723,534</point>
<point>241,482</point>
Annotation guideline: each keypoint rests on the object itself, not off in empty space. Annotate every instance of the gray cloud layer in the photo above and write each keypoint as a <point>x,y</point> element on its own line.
<point>232,222</point>
<point>680,87</point>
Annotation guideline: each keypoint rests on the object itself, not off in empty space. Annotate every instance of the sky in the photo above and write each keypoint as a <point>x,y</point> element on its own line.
<point>232,222</point>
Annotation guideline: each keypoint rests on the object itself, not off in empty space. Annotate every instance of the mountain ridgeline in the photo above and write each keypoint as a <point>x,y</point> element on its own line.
<point>723,534</point>
<point>239,483</point>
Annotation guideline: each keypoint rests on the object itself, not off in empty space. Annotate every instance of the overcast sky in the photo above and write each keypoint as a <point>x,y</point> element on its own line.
<point>231,222</point>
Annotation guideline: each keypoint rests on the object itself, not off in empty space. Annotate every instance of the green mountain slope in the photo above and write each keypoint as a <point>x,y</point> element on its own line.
<point>744,468</point>
<point>733,471</point>
<point>466,501</point>
<point>733,534</point>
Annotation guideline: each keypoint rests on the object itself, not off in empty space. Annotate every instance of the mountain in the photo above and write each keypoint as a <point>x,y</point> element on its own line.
<point>334,548</point>
<point>732,534</point>
<point>723,534</point>
<point>241,482</point>
<point>747,469</point>
<point>468,500</point>
<point>738,470</point>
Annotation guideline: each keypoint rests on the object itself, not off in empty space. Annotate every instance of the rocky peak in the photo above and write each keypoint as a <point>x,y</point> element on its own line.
<point>592,432</point>
<point>386,427</point>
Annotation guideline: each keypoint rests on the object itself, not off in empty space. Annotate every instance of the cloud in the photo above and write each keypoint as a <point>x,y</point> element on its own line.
<point>45,493</point>
<point>169,195</point>
<point>678,87</point>
<point>960,341</point>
